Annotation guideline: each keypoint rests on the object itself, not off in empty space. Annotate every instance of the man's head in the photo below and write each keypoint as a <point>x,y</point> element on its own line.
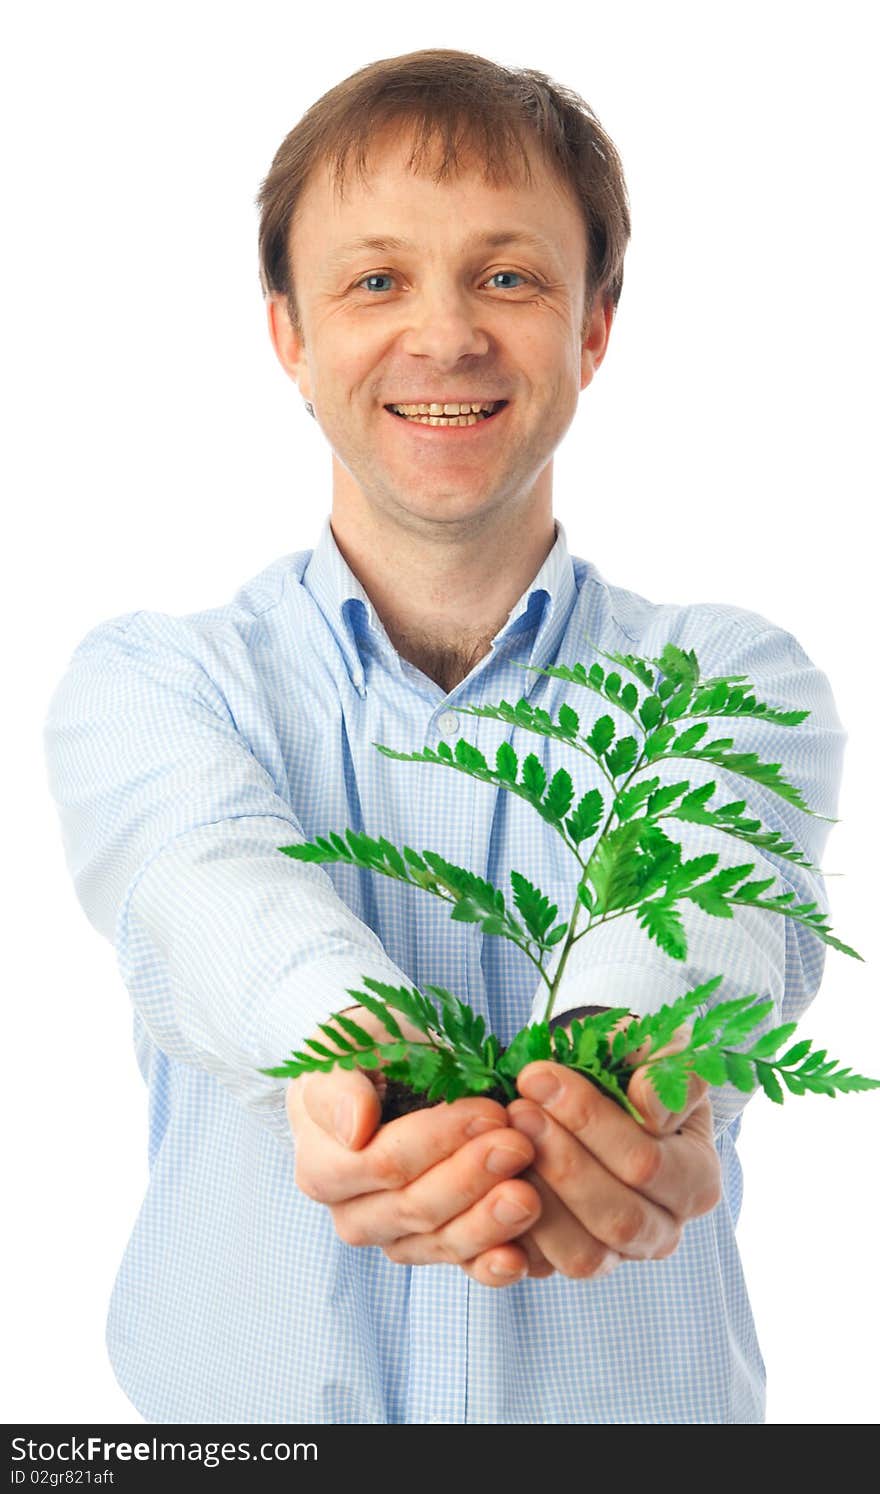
<point>498,216</point>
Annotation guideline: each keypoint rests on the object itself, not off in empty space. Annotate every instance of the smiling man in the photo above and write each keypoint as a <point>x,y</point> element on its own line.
<point>440,342</point>
<point>441,307</point>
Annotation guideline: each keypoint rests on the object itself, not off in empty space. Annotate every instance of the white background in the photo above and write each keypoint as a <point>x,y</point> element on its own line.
<point>159,458</point>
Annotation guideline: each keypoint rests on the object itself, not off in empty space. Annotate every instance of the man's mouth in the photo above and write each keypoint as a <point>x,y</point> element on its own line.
<point>456,412</point>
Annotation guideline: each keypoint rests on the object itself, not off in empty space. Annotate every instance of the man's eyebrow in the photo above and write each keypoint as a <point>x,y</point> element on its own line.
<point>495,240</point>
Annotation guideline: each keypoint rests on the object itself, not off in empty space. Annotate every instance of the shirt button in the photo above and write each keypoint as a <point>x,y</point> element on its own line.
<point>448,723</point>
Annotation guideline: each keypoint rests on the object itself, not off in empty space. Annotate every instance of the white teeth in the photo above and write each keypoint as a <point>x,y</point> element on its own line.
<point>456,408</point>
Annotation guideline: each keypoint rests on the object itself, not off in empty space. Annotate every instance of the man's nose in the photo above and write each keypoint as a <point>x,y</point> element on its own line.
<point>444,324</point>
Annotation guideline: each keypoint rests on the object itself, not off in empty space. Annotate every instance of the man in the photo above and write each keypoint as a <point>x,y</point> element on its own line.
<point>270,1276</point>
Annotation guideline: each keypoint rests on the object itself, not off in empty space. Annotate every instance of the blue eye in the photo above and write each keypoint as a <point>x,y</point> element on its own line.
<point>514,273</point>
<point>373,277</point>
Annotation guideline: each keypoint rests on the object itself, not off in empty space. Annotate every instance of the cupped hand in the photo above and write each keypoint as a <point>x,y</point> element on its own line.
<point>437,1185</point>
<point>611,1189</point>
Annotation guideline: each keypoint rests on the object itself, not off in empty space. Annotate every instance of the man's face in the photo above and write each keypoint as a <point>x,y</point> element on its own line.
<point>480,299</point>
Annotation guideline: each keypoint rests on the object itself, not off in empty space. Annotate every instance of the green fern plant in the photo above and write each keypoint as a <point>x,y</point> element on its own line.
<point>633,867</point>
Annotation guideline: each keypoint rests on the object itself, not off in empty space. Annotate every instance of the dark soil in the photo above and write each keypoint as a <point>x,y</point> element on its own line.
<point>398,1099</point>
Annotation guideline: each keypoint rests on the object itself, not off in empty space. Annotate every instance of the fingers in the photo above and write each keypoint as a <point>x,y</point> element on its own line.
<point>676,1169</point>
<point>501,1215</point>
<point>565,1245</point>
<point>391,1157</point>
<point>569,1248</point>
<point>642,1094</point>
<point>607,1209</point>
<point>538,1264</point>
<point>452,1211</point>
<point>502,1267</point>
<point>344,1103</point>
<point>507,1264</point>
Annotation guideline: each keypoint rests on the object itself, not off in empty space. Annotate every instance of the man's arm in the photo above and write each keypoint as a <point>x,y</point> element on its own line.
<point>233,953</point>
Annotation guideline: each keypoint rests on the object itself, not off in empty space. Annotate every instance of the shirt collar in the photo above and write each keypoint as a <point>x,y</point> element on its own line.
<point>542,611</point>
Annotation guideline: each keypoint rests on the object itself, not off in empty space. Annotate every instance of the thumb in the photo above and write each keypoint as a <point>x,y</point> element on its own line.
<point>645,1098</point>
<point>345,1104</point>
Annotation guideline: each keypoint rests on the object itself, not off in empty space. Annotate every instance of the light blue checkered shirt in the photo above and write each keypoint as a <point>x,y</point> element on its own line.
<point>182,753</point>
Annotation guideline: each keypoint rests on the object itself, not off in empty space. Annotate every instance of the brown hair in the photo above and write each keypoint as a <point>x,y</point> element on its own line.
<point>470,104</point>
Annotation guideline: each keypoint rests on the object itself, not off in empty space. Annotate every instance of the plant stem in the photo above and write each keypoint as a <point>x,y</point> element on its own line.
<point>572,923</point>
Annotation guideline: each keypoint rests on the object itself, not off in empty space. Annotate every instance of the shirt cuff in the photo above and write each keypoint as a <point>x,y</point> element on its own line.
<point>642,988</point>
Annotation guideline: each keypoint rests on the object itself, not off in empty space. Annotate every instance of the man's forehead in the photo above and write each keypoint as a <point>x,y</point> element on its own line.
<point>403,147</point>
<point>499,238</point>
<point>345,217</point>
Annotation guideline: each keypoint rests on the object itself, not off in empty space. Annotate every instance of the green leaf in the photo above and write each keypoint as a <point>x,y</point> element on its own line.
<point>601,736</point>
<point>771,1085</point>
<point>669,1077</point>
<point>466,912</point>
<point>795,1054</point>
<point>568,720</point>
<point>381,1011</point>
<point>621,756</point>
<point>584,896</point>
<point>506,763</point>
<point>585,821</point>
<point>537,911</point>
<point>792,1082</point>
<point>561,1041</point>
<point>739,1071</point>
<point>470,757</point>
<point>665,927</point>
<point>557,801</point>
<point>613,868</point>
<point>529,1044</point>
<point>414,1006</point>
<point>335,1037</point>
<point>555,935</point>
<point>533,776</point>
<point>360,1035</point>
<point>586,1045</point>
<point>319,1048</point>
<point>767,1045</point>
<point>709,1064</point>
<point>740,1024</point>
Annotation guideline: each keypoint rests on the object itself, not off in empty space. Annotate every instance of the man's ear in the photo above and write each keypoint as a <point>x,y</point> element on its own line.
<point>596,334</point>
<point>288,343</point>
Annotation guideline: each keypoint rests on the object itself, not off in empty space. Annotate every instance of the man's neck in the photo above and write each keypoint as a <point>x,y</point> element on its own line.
<point>442,604</point>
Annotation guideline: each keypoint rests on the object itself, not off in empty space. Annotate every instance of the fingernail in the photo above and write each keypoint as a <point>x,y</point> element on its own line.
<point>516,1274</point>
<point>480,1124</point>
<point>504,1159</point>
<point>344,1120</point>
<point>542,1087</point>
<point>508,1212</point>
<point>610,1263</point>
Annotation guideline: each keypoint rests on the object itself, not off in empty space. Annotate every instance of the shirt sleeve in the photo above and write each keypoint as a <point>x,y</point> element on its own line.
<point>232,953</point>
<point>758,952</point>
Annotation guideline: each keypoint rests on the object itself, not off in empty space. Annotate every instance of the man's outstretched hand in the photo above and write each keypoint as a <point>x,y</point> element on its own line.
<point>611,1190</point>
<point>437,1185</point>
<point>563,1179</point>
